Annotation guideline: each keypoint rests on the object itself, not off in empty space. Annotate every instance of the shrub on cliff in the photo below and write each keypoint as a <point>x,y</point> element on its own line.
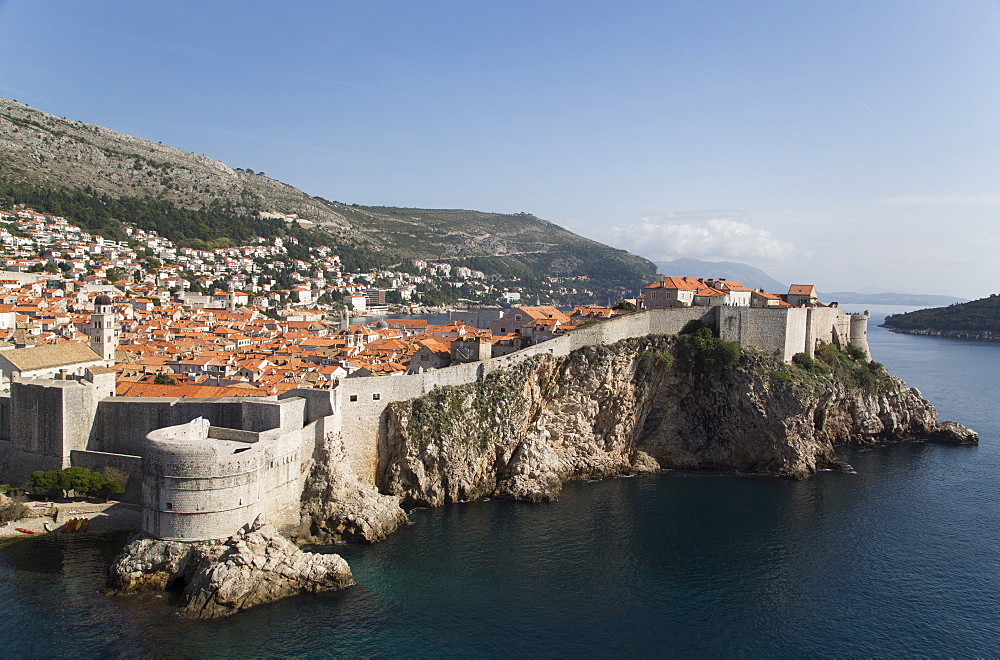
<point>714,353</point>
<point>809,364</point>
<point>693,326</point>
<point>851,366</point>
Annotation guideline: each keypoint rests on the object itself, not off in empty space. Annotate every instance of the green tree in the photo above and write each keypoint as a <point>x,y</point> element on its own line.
<point>45,482</point>
<point>164,379</point>
<point>115,481</point>
<point>81,480</point>
<point>78,479</point>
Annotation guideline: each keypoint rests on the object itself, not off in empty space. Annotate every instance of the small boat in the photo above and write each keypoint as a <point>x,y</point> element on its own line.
<point>26,531</point>
<point>47,526</point>
<point>86,524</point>
<point>79,524</point>
<point>68,526</point>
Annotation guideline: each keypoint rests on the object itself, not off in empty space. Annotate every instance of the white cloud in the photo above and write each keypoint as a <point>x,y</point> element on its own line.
<point>708,235</point>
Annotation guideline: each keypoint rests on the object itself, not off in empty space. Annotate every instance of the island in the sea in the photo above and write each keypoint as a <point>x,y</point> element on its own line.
<point>976,319</point>
<point>706,374</point>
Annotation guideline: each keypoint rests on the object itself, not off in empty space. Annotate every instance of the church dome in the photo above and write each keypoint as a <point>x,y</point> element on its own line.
<point>382,325</point>
<point>102,300</point>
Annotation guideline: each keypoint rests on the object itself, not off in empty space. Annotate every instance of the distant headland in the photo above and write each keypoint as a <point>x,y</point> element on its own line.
<point>977,319</point>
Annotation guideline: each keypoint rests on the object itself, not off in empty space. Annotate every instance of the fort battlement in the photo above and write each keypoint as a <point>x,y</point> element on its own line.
<point>244,456</point>
<point>782,332</point>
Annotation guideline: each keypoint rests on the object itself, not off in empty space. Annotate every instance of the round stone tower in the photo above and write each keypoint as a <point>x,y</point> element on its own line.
<point>196,488</point>
<point>859,333</point>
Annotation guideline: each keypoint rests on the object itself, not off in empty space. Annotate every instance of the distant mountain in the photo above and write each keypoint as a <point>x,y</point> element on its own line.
<point>977,319</point>
<point>913,299</point>
<point>748,276</point>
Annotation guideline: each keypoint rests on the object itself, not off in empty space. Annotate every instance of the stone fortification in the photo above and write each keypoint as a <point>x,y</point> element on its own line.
<point>122,423</point>
<point>49,419</point>
<point>258,451</point>
<point>640,405</point>
<point>779,332</point>
<point>199,482</point>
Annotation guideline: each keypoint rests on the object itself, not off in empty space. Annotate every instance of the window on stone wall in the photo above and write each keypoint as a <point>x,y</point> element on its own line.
<point>354,397</point>
<point>170,507</point>
<point>376,396</point>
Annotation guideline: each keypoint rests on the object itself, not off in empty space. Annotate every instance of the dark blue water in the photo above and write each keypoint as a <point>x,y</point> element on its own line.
<point>901,558</point>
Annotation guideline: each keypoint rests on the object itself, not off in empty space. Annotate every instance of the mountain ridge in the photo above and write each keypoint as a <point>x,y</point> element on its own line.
<point>43,152</point>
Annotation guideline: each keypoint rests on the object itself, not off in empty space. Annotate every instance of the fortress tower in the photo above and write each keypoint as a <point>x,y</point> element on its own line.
<point>104,328</point>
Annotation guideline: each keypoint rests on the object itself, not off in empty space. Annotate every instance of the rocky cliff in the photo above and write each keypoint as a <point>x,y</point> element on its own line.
<point>689,402</point>
<point>337,506</point>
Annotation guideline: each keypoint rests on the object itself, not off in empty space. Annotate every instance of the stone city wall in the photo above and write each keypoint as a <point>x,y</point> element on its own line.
<point>360,403</point>
<point>252,455</point>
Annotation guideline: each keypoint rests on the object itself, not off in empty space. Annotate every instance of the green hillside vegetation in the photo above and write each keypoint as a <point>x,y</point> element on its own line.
<point>218,225</point>
<point>517,245</point>
<point>977,317</point>
<point>100,178</point>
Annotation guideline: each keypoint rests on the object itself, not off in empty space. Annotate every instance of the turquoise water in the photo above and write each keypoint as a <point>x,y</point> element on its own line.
<point>902,557</point>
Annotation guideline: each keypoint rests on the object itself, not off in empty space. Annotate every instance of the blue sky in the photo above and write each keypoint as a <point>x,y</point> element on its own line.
<point>854,145</point>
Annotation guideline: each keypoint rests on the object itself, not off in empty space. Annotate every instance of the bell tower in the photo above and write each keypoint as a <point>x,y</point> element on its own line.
<point>104,328</point>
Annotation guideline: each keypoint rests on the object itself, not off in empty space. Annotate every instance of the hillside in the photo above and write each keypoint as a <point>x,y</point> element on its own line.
<point>977,319</point>
<point>60,165</point>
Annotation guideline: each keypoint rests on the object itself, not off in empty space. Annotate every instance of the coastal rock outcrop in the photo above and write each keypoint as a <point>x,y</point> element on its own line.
<point>689,402</point>
<point>256,565</point>
<point>337,506</point>
<point>519,434</point>
<point>148,564</point>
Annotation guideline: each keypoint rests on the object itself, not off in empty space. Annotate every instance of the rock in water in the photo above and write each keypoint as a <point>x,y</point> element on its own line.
<point>148,564</point>
<point>256,565</point>
<point>953,433</point>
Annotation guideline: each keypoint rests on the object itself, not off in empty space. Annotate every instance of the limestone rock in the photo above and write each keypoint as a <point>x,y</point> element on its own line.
<point>637,406</point>
<point>256,565</point>
<point>337,506</point>
<point>953,433</point>
<point>522,432</point>
<point>148,564</point>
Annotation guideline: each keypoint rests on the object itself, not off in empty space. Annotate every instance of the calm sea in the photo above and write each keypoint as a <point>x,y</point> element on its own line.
<point>901,558</point>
